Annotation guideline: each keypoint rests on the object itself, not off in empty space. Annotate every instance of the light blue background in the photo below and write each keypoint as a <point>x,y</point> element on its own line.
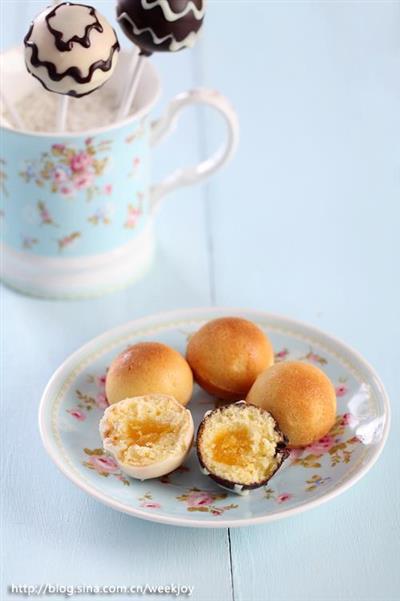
<point>304,222</point>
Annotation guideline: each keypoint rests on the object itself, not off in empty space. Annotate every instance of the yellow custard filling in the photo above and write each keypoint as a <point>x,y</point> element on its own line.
<point>239,443</point>
<point>145,430</point>
<point>232,447</point>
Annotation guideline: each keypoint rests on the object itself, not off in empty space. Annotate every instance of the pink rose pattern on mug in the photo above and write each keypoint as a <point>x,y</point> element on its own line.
<point>74,197</point>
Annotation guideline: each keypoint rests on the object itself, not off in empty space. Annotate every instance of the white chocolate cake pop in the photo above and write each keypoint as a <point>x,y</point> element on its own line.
<point>71,49</point>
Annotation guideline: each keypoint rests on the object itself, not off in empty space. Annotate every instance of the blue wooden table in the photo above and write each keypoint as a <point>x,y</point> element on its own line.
<point>303,222</point>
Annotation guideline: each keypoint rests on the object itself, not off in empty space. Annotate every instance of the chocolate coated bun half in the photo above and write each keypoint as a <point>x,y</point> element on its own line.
<point>240,446</point>
<point>300,397</point>
<point>226,356</point>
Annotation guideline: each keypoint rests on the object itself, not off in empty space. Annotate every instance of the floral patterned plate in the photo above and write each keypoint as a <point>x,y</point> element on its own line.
<point>74,400</point>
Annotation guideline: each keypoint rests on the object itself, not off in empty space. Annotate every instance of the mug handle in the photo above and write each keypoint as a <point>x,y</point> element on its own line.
<point>163,126</point>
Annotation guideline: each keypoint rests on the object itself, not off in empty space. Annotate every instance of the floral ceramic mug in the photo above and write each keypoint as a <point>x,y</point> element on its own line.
<point>77,208</point>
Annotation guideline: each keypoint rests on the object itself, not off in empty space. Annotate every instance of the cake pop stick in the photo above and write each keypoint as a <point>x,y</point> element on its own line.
<point>62,113</point>
<point>132,63</point>
<point>136,69</point>
<point>157,26</point>
<point>72,50</point>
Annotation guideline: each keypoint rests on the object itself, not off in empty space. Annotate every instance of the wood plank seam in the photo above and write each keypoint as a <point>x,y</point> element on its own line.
<point>200,79</point>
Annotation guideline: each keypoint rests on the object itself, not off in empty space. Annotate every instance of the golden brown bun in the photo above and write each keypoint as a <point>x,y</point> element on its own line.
<point>149,368</point>
<point>226,356</point>
<point>301,398</point>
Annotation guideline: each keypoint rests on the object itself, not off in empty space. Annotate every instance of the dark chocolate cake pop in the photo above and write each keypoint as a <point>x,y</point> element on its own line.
<point>161,25</point>
<point>71,48</point>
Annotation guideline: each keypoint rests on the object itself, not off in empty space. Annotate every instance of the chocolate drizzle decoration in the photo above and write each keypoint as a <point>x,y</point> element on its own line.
<point>154,31</point>
<point>84,40</point>
<point>74,72</point>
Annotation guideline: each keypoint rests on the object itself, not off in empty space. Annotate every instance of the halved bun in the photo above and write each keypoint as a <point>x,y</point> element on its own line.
<point>148,436</point>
